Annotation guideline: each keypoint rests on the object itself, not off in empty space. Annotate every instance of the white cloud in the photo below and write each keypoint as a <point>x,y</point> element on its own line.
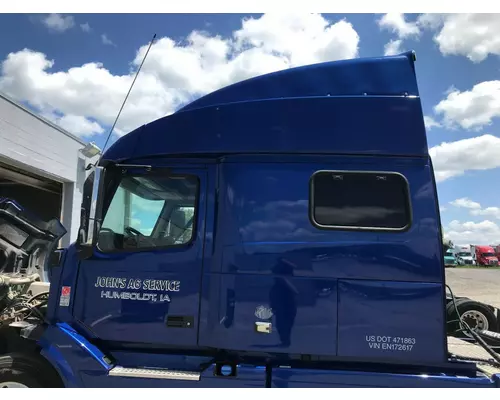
<point>488,211</point>
<point>442,209</point>
<point>90,90</point>
<point>396,23</point>
<point>76,124</point>
<point>106,40</point>
<point>484,232</point>
<point>474,36</point>
<point>393,47</point>
<point>475,208</point>
<point>302,38</point>
<point>452,159</point>
<point>58,22</point>
<point>430,21</point>
<point>85,27</point>
<point>465,203</point>
<point>431,123</point>
<point>471,109</point>
<point>80,125</point>
<point>175,73</point>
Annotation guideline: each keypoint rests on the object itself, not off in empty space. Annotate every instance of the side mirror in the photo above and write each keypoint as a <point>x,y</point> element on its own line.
<point>91,212</point>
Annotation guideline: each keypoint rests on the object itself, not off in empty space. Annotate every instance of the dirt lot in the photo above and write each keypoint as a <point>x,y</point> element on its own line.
<point>478,284</point>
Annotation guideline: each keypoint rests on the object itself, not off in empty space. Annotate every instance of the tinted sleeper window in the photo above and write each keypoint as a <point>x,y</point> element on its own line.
<point>360,200</point>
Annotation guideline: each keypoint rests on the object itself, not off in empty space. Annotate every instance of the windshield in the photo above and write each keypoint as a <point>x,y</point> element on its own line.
<point>464,254</point>
<point>449,253</point>
<point>488,254</point>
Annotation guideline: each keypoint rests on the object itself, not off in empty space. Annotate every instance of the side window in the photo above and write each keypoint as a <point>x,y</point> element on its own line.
<point>149,212</point>
<point>360,200</point>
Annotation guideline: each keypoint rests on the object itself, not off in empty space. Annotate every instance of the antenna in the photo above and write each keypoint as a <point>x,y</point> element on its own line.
<point>125,100</point>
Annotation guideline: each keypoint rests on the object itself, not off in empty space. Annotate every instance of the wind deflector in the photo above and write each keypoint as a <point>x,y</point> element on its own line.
<point>378,76</point>
<point>366,106</point>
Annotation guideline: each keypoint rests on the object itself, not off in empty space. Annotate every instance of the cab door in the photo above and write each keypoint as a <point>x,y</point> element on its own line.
<point>142,283</point>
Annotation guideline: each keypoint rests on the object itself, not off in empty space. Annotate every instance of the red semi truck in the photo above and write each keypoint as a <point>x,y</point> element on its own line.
<point>484,255</point>
<point>496,248</point>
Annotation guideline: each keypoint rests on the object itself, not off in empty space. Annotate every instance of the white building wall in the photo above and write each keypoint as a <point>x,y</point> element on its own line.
<point>32,143</point>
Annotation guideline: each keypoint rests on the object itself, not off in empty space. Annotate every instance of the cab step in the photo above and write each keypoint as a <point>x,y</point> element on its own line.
<point>152,373</point>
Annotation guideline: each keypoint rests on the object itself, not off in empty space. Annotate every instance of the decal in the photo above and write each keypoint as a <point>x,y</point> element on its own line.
<point>147,284</point>
<point>150,285</point>
<point>263,312</point>
<point>153,297</point>
<point>390,343</point>
<point>65,296</point>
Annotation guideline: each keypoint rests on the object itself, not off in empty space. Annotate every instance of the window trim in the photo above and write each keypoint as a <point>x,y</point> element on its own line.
<point>116,183</point>
<point>408,204</point>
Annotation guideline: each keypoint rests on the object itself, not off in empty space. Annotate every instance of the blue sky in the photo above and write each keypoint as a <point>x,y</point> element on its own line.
<point>94,56</point>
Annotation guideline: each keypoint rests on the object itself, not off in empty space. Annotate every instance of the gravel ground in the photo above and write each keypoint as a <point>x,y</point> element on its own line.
<point>478,284</point>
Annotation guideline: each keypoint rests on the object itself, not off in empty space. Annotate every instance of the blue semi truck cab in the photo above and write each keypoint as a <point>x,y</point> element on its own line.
<point>280,232</point>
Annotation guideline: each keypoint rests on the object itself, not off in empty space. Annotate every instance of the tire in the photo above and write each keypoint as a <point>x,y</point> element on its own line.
<point>26,370</point>
<point>477,315</point>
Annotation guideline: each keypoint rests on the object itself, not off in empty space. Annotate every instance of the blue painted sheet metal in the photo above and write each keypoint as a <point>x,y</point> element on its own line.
<point>69,353</point>
<point>382,76</point>
<point>265,244</point>
<point>85,345</point>
<point>80,364</point>
<point>349,107</point>
<point>302,314</point>
<point>66,275</point>
<point>100,309</point>
<point>266,218</point>
<point>391,321</point>
<point>295,378</point>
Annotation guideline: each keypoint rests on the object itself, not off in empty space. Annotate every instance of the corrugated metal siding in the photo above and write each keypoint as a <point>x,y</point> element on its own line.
<point>36,144</point>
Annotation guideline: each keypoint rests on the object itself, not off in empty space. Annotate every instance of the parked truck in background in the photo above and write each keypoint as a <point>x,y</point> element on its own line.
<point>283,231</point>
<point>484,255</point>
<point>449,258</point>
<point>463,254</point>
<point>496,248</point>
